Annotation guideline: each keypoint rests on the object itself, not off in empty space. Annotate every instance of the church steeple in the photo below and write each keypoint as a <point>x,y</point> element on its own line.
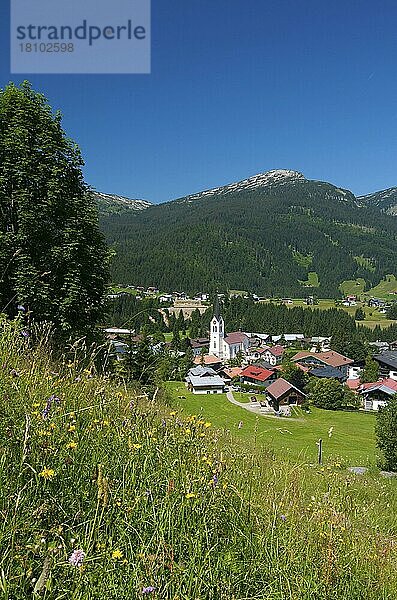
<point>217,311</point>
<point>217,331</point>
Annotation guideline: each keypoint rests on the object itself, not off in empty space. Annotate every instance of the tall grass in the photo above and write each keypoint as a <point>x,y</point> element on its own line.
<point>162,507</point>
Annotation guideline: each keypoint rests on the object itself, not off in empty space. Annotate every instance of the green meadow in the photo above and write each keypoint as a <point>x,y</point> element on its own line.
<point>373,316</point>
<point>351,442</point>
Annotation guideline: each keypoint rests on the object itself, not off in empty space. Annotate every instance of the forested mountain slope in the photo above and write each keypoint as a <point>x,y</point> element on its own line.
<point>385,200</point>
<point>273,234</point>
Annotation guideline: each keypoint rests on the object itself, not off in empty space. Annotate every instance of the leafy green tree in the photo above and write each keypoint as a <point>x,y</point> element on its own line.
<point>330,394</point>
<point>370,371</point>
<point>53,259</point>
<point>292,373</point>
<point>386,434</point>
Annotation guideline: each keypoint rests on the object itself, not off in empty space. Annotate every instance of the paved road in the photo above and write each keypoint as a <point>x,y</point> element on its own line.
<point>255,407</point>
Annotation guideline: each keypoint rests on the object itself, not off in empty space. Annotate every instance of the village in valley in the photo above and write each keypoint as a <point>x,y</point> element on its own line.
<point>251,368</point>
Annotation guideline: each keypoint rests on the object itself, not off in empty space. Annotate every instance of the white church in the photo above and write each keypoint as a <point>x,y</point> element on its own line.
<point>225,345</point>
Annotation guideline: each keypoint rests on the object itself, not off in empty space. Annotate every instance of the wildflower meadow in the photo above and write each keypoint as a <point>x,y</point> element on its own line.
<point>108,492</point>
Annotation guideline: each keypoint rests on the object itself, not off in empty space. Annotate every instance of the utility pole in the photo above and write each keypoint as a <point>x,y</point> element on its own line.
<point>320,451</point>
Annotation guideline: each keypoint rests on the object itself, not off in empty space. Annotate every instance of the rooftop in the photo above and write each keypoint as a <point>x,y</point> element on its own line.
<point>255,372</point>
<point>281,386</point>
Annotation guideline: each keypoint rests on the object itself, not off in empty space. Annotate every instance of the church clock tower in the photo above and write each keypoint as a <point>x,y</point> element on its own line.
<point>217,332</point>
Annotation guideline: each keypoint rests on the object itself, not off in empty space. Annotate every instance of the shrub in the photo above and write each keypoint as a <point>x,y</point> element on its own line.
<point>386,434</point>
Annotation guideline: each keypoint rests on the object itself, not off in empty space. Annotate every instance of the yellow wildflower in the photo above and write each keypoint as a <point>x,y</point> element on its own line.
<point>137,446</point>
<point>117,554</point>
<point>71,445</point>
<point>52,426</point>
<point>191,495</point>
<point>187,431</point>
<point>72,428</point>
<point>172,414</point>
<point>47,473</point>
<point>207,424</point>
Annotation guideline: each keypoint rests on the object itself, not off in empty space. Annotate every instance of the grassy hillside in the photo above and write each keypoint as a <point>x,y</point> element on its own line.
<point>352,441</point>
<point>373,316</point>
<point>301,237</point>
<point>106,494</point>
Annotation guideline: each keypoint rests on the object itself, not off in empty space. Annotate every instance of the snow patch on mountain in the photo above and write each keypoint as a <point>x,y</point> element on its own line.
<point>118,203</point>
<point>276,177</point>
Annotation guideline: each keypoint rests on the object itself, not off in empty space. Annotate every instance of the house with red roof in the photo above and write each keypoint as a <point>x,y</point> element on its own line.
<point>257,375</point>
<point>376,394</point>
<point>208,360</point>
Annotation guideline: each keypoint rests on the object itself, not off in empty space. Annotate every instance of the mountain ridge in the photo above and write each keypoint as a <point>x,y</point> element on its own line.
<point>275,233</point>
<point>384,200</point>
<point>112,203</point>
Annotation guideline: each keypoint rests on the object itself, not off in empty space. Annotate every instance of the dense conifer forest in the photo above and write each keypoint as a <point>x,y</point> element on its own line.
<point>273,241</point>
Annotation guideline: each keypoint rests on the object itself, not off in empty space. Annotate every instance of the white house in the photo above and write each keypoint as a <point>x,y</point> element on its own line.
<point>375,395</point>
<point>223,345</point>
<point>204,380</point>
<point>274,355</point>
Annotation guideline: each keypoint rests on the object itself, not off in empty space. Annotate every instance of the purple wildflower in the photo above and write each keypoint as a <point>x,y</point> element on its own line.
<point>148,590</point>
<point>51,400</point>
<point>163,422</point>
<point>46,411</point>
<point>283,517</point>
<point>55,399</point>
<point>215,480</point>
<point>21,308</point>
<point>77,558</point>
<point>25,333</point>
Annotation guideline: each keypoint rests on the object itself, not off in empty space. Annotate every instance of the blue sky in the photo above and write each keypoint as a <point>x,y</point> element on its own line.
<point>239,87</point>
